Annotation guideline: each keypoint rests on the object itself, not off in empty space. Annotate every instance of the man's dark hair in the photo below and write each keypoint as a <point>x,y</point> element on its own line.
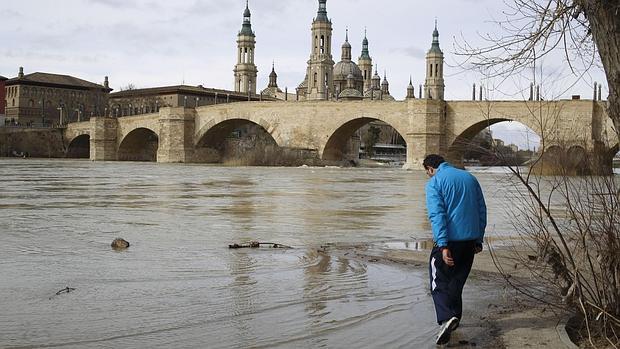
<point>433,161</point>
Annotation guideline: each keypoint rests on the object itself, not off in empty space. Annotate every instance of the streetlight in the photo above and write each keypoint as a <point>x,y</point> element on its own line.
<point>197,99</point>
<point>157,105</point>
<point>130,109</point>
<point>184,101</point>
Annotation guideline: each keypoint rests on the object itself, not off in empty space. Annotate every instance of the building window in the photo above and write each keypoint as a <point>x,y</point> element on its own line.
<point>31,103</point>
<point>13,102</point>
<point>322,44</point>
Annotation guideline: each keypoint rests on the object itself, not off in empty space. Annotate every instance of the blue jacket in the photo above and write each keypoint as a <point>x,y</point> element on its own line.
<point>456,206</point>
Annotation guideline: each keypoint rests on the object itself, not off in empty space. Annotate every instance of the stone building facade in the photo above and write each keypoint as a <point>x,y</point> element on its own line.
<point>52,99</point>
<point>150,100</point>
<point>2,98</point>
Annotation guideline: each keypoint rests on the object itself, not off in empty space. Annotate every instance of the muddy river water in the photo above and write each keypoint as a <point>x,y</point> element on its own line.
<point>179,286</point>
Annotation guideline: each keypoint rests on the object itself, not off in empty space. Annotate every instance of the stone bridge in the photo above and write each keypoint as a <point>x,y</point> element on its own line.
<point>325,127</point>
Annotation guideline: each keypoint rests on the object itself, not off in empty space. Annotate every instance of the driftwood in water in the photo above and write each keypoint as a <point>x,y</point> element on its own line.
<point>64,290</point>
<point>256,244</point>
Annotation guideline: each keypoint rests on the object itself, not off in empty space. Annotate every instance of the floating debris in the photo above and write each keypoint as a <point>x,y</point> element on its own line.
<point>256,244</point>
<point>64,290</point>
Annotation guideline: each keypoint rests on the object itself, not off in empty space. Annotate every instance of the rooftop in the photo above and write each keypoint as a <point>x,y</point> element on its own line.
<point>196,90</point>
<point>55,79</point>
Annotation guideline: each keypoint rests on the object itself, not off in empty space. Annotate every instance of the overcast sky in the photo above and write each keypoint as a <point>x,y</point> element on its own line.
<point>157,43</point>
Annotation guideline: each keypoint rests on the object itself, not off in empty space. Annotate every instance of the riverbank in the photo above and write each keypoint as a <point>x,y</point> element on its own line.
<point>508,321</point>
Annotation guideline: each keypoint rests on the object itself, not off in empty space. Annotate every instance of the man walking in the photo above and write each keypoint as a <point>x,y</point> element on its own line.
<point>458,216</point>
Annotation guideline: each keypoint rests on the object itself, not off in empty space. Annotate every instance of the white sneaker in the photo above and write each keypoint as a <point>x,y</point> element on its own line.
<point>446,329</point>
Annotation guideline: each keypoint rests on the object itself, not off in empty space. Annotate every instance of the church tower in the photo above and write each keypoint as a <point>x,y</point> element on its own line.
<point>410,90</point>
<point>321,64</point>
<point>434,86</point>
<point>273,77</point>
<point>245,70</point>
<point>365,63</point>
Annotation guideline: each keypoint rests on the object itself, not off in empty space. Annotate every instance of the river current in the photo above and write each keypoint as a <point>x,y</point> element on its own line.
<point>179,286</point>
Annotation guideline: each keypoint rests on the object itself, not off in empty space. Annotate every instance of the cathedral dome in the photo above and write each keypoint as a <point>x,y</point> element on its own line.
<point>342,69</point>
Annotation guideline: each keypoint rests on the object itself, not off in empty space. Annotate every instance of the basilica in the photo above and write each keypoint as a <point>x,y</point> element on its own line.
<point>326,79</point>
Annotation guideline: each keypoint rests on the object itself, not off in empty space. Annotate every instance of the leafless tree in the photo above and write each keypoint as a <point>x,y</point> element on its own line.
<point>128,87</point>
<point>584,30</point>
<point>569,241</point>
<point>566,250</point>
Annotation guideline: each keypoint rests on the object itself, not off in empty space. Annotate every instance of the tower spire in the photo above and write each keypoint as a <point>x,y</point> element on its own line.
<point>385,85</point>
<point>246,28</point>
<point>435,44</point>
<point>322,13</point>
<point>410,89</point>
<point>365,62</point>
<point>346,48</point>
<point>245,69</point>
<point>365,51</point>
<point>273,77</point>
<point>434,84</point>
<point>319,84</point>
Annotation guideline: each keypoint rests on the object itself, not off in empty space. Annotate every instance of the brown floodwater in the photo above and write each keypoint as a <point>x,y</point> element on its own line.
<point>179,286</point>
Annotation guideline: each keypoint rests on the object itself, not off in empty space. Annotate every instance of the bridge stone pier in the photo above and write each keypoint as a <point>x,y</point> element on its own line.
<point>325,127</point>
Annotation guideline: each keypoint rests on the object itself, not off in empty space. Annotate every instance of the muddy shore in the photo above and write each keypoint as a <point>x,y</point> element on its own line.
<point>506,321</point>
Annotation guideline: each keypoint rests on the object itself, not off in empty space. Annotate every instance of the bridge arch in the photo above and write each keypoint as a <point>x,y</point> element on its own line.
<point>79,147</point>
<point>233,138</point>
<point>225,121</point>
<point>462,141</point>
<point>577,160</point>
<point>337,146</point>
<point>140,144</point>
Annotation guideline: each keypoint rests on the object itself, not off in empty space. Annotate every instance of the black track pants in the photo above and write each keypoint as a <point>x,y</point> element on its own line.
<point>447,282</point>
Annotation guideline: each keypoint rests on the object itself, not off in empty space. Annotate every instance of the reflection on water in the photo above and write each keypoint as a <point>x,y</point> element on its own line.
<point>421,245</point>
<point>180,286</point>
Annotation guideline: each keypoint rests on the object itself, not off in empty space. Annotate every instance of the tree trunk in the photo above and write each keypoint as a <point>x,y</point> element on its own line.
<point>604,18</point>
